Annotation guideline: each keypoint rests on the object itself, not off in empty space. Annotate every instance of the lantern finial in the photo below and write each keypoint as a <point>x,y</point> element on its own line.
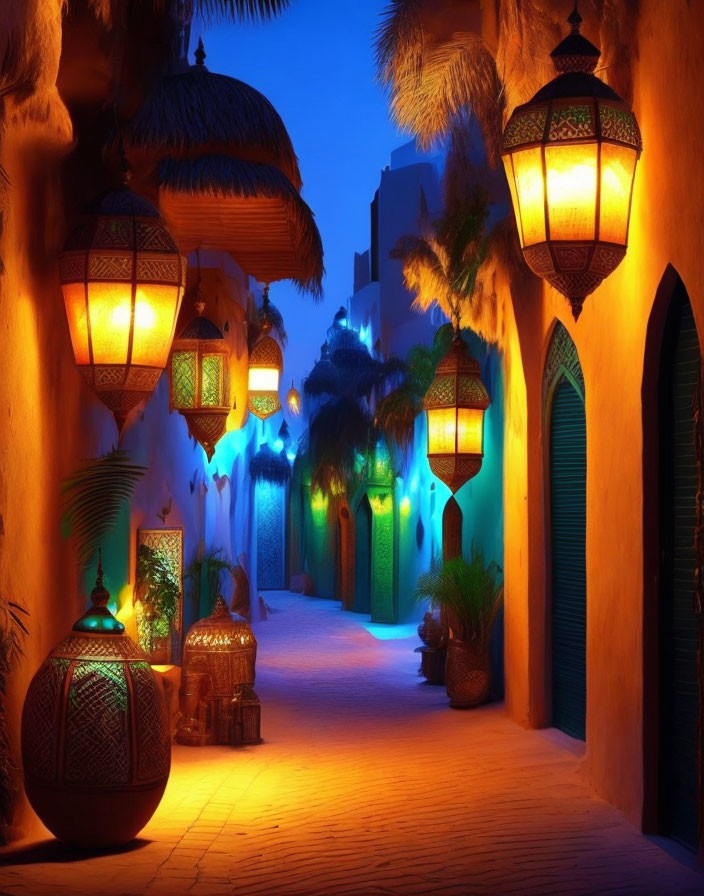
<point>98,617</point>
<point>574,18</point>
<point>200,53</point>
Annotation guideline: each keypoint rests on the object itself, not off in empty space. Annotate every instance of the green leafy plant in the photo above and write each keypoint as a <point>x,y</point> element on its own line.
<point>469,593</point>
<point>12,631</point>
<point>93,497</point>
<point>156,587</point>
<point>205,573</point>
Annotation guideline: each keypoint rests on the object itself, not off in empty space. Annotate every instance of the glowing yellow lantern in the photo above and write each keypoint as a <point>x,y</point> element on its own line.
<point>455,405</point>
<point>200,381</point>
<point>265,365</point>
<point>293,400</point>
<point>570,155</point>
<point>122,279</point>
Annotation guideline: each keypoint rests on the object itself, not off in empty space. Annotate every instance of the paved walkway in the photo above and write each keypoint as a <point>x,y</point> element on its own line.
<point>367,783</point>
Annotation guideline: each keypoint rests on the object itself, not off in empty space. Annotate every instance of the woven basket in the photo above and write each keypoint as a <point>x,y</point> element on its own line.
<point>467,673</point>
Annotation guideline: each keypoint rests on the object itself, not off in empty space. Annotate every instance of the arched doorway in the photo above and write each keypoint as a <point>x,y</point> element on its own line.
<point>678,686</point>
<point>346,555</point>
<point>363,557</point>
<point>270,504</point>
<point>566,432</point>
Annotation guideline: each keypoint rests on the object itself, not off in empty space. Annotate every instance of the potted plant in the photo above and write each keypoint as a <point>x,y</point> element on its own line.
<point>470,595</point>
<point>157,590</point>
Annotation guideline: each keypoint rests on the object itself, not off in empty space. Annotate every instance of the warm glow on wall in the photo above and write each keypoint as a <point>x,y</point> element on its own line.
<point>122,280</point>
<point>199,381</point>
<point>455,405</point>
<point>570,155</point>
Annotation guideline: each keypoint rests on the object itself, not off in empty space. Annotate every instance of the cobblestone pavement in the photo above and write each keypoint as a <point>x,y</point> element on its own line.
<point>367,783</point>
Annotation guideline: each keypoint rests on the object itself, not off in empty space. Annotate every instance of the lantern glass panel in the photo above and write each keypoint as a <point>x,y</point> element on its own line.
<point>470,431</point>
<point>571,171</point>
<point>75,301</point>
<point>211,383</point>
<point>618,165</point>
<point>263,379</point>
<point>183,378</point>
<point>528,170</point>
<point>508,165</point>
<point>442,424</point>
<point>154,319</point>
<point>110,318</point>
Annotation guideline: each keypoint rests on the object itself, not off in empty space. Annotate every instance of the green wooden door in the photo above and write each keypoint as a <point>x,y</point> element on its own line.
<point>363,557</point>
<point>678,629</point>
<point>568,479</point>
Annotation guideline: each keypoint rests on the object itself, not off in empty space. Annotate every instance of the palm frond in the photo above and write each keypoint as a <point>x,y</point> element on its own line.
<point>337,433</point>
<point>240,10</point>
<point>471,593</point>
<point>396,414</point>
<point>268,465</point>
<point>93,497</point>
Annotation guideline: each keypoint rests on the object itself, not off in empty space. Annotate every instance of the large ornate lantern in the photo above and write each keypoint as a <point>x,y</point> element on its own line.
<point>122,279</point>
<point>455,405</point>
<point>570,155</point>
<point>200,382</point>
<point>265,365</point>
<point>218,704</point>
<point>96,746</point>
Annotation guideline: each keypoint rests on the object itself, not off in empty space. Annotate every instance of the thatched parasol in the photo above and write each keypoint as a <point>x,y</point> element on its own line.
<point>198,112</point>
<point>270,466</point>
<point>250,210</point>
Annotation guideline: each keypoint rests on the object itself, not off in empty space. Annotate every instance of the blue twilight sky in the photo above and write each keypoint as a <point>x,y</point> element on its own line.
<point>315,63</point>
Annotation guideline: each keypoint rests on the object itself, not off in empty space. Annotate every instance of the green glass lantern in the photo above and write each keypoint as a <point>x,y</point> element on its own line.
<point>200,381</point>
<point>96,745</point>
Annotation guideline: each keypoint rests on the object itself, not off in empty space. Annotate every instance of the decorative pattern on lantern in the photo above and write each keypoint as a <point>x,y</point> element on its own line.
<point>122,279</point>
<point>293,400</point>
<point>570,155</point>
<point>217,700</point>
<point>265,365</point>
<point>455,403</point>
<point>200,380</point>
<point>96,746</point>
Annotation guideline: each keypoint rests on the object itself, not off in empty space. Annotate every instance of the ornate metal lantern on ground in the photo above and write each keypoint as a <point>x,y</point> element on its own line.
<point>122,278</point>
<point>455,403</point>
<point>96,746</point>
<point>218,703</point>
<point>570,155</point>
<point>199,382</point>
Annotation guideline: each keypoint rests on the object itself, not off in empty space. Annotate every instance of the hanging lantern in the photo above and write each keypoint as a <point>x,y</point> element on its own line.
<point>200,381</point>
<point>293,400</point>
<point>122,279</point>
<point>570,155</point>
<point>455,405</point>
<point>265,365</point>
<point>96,745</point>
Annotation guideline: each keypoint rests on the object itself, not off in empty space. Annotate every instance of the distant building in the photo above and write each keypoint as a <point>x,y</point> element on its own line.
<point>380,307</point>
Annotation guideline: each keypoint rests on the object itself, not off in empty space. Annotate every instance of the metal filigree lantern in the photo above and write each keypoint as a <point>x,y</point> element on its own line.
<point>122,278</point>
<point>293,400</point>
<point>455,403</point>
<point>570,155</point>
<point>265,365</point>
<point>219,657</point>
<point>96,746</point>
<point>200,380</point>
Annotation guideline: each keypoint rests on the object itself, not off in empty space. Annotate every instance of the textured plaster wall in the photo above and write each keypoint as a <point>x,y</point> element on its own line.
<point>666,69</point>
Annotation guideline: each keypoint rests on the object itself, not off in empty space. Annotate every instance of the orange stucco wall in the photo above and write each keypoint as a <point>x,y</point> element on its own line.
<point>666,228</point>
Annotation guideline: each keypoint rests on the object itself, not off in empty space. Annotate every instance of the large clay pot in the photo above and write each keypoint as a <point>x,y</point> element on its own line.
<point>467,673</point>
<point>96,746</point>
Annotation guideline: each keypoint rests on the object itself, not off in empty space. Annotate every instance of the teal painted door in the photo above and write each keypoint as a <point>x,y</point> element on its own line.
<point>270,502</point>
<point>363,557</point>
<point>678,627</point>
<point>568,480</point>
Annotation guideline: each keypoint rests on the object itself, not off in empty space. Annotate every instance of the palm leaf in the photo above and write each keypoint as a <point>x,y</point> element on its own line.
<point>93,497</point>
<point>240,10</point>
